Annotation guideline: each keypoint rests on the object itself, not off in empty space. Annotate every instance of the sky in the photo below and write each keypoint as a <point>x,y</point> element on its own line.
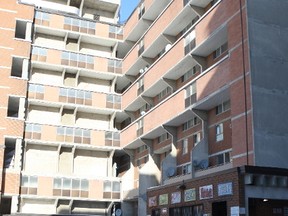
<point>127,6</point>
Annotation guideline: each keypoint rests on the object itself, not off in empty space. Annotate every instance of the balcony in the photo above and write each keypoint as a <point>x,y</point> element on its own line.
<point>137,25</point>
<point>153,121</point>
<point>77,97</point>
<point>74,60</point>
<point>72,187</point>
<point>52,6</point>
<point>44,133</point>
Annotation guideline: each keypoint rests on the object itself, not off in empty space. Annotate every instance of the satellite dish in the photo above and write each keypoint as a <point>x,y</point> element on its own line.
<point>168,46</point>
<point>143,112</point>
<point>141,71</point>
<point>170,172</point>
<point>204,164</point>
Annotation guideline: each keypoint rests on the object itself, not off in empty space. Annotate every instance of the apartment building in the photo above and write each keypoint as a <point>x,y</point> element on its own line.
<point>179,111</point>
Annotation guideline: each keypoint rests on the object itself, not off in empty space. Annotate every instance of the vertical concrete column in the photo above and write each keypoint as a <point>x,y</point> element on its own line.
<point>170,161</point>
<point>112,118</point>
<point>149,176</point>
<point>14,204</point>
<point>21,111</point>
<point>110,167</point>
<point>18,154</point>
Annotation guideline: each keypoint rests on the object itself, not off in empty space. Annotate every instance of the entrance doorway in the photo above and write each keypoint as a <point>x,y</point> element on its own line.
<point>219,209</point>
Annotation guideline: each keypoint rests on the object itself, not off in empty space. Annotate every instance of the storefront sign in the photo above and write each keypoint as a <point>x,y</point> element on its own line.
<point>206,192</point>
<point>175,197</point>
<point>152,201</point>
<point>190,195</point>
<point>225,189</point>
<point>163,199</point>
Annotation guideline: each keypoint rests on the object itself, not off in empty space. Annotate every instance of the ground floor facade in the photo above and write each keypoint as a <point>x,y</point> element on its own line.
<point>238,191</point>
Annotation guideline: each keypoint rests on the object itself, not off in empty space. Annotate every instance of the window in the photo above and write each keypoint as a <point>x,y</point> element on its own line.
<point>223,158</point>
<point>13,107</point>
<point>164,93</point>
<point>71,184</point>
<point>142,148</point>
<point>196,138</point>
<point>189,42</point>
<point>140,86</point>
<point>219,132</point>
<point>191,90</point>
<point>141,10</point>
<point>29,181</point>
<point>23,30</point>
<point>163,137</point>
<point>9,153</point>
<point>184,146</point>
<point>223,107</point>
<point>191,123</point>
<point>66,134</point>
<point>219,51</point>
<point>140,127</point>
<point>114,65</point>
<point>19,68</point>
<point>140,47</point>
<point>187,169</point>
<point>190,73</point>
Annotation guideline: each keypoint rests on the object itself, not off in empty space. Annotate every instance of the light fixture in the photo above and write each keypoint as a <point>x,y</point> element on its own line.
<point>265,200</point>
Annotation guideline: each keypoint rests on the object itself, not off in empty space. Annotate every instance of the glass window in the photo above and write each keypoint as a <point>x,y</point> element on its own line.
<point>65,55</point>
<point>80,94</point>
<point>116,186</point>
<point>90,59</point>
<point>116,136</point>
<point>60,131</point>
<point>107,186</point>
<point>66,183</point>
<point>37,128</point>
<point>86,133</point>
<point>67,20</point>
<point>74,57</point>
<point>57,184</point>
<point>84,24</point>
<point>45,16</point>
<point>78,132</point>
<point>75,184</point>
<point>219,132</point>
<point>92,25</point>
<point>33,181</point>
<point>108,135</point>
<point>69,131</point>
<point>88,95</point>
<point>24,181</point>
<point>185,146</point>
<point>75,22</point>
<point>84,184</point>
<point>82,58</point>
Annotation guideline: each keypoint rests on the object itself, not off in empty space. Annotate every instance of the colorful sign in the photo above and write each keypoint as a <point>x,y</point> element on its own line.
<point>190,195</point>
<point>206,192</point>
<point>152,201</point>
<point>225,189</point>
<point>175,197</point>
<point>163,199</point>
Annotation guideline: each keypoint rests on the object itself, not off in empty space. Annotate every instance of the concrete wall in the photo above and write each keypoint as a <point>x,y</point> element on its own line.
<point>267,25</point>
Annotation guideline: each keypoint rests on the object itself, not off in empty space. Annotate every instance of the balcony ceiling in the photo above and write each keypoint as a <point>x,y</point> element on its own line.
<point>181,21</point>
<point>106,5</point>
<point>155,133</point>
<point>153,11</point>
<point>215,40</point>
<point>156,47</point>
<point>138,30</point>
<point>200,3</point>
<point>181,68</point>
<point>156,88</point>
<point>97,40</point>
<point>214,99</point>
<point>181,118</point>
<point>138,64</point>
<point>135,105</point>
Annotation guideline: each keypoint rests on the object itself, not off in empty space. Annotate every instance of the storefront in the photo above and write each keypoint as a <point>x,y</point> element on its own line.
<point>235,192</point>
